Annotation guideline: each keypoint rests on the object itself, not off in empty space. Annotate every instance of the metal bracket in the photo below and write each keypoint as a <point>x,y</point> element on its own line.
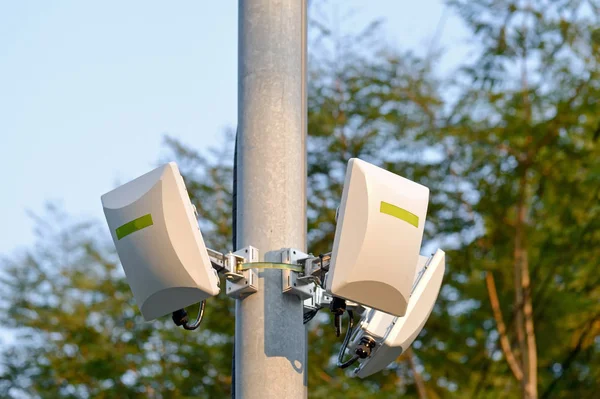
<point>316,266</point>
<point>320,299</point>
<point>241,283</point>
<point>217,260</point>
<point>310,283</point>
<point>295,283</point>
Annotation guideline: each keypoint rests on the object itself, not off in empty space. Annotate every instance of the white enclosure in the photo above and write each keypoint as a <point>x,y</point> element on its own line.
<point>377,238</point>
<point>154,228</point>
<point>394,335</point>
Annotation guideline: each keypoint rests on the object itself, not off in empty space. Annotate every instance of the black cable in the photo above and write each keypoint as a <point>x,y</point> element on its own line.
<point>180,318</point>
<point>198,320</point>
<point>340,362</point>
<point>349,363</point>
<point>310,315</point>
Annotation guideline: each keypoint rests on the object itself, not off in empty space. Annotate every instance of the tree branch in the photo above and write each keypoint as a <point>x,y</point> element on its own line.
<point>504,342</point>
<point>571,356</point>
<point>416,375</point>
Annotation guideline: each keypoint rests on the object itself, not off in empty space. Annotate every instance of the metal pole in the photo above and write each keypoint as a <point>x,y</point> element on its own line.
<point>270,339</point>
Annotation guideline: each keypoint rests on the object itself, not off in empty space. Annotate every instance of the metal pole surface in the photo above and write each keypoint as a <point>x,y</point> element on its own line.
<point>270,339</point>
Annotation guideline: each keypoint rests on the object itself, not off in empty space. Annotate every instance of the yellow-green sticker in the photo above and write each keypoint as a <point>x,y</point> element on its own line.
<point>399,213</point>
<point>135,225</point>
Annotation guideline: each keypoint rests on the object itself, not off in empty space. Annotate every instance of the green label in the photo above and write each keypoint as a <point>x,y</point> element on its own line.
<point>399,213</point>
<point>134,225</point>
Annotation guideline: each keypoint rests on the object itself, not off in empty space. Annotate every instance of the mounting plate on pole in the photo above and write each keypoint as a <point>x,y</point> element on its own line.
<point>241,283</point>
<point>292,282</point>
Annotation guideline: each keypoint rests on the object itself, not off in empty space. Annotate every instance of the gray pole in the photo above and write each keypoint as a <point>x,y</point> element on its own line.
<point>270,340</point>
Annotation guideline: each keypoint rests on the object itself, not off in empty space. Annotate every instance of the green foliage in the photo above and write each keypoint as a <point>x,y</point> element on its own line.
<point>517,136</point>
<point>522,136</point>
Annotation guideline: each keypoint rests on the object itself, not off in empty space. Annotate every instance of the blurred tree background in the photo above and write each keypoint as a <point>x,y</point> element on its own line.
<point>509,148</point>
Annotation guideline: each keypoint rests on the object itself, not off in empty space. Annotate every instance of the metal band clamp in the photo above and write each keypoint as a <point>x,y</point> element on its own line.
<point>271,265</point>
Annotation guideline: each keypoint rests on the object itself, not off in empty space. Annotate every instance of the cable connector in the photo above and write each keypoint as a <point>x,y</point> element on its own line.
<point>338,308</point>
<point>181,318</point>
<point>363,350</point>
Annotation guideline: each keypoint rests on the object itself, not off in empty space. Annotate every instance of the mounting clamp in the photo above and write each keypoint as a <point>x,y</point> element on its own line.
<point>320,299</point>
<point>293,280</point>
<point>241,279</point>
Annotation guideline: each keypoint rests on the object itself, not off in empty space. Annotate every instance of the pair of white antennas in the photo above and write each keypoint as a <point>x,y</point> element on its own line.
<point>374,270</point>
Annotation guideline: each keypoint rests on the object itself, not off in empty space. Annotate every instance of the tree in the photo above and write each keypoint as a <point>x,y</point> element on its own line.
<point>522,139</point>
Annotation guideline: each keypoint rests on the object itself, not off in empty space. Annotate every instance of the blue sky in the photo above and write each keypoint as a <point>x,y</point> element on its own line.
<point>89,89</point>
